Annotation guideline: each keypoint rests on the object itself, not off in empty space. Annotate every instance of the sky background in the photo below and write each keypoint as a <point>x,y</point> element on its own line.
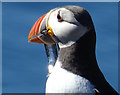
<point>24,65</point>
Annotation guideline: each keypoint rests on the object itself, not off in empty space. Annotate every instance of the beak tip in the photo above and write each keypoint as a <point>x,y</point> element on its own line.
<point>29,39</point>
<point>35,40</point>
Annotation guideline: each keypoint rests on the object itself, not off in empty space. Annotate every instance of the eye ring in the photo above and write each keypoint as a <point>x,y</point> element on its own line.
<point>59,18</point>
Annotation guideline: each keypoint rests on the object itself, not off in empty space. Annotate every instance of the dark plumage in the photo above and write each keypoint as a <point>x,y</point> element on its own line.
<point>80,58</point>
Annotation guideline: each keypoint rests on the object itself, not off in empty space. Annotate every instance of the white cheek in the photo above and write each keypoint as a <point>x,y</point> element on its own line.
<point>60,29</point>
<point>66,32</point>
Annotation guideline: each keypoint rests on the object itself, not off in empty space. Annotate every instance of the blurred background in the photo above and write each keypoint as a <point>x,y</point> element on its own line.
<point>24,65</point>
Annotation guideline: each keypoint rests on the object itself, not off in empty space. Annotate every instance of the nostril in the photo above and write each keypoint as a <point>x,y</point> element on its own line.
<point>44,31</point>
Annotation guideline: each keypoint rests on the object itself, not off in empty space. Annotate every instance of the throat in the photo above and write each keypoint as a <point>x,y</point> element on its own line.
<point>79,57</point>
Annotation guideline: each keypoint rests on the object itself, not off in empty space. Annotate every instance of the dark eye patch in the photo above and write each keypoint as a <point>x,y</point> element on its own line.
<point>59,17</point>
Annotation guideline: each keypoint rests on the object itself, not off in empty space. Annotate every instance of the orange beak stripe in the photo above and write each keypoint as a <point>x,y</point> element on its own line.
<point>35,31</point>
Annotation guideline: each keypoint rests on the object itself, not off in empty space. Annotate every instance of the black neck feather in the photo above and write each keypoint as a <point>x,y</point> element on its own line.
<point>80,59</point>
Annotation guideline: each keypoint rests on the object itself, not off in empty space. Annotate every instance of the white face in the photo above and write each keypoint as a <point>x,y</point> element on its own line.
<point>65,27</point>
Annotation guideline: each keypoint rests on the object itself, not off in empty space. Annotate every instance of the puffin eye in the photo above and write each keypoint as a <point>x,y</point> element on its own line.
<point>59,18</point>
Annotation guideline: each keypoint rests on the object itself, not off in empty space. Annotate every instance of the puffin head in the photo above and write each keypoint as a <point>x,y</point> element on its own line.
<point>64,25</point>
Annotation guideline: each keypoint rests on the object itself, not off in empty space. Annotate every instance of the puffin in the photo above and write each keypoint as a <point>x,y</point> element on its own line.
<point>76,69</point>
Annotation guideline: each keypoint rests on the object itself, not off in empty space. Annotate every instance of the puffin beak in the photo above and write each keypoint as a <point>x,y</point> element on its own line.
<point>41,32</point>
